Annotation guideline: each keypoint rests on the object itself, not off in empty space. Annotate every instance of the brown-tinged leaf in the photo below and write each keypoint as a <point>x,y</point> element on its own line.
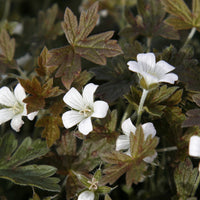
<point>82,79</point>
<point>7,45</point>
<point>97,47</point>
<point>87,21</point>
<point>38,93</point>
<point>149,22</point>
<point>69,64</point>
<point>51,126</point>
<point>34,103</point>
<point>196,99</point>
<point>43,69</point>
<point>192,118</point>
<point>94,48</point>
<point>7,51</point>
<point>70,26</point>
<point>47,27</point>
<point>67,144</point>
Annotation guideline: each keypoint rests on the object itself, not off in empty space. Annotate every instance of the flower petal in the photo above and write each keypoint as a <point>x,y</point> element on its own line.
<point>6,114</point>
<point>169,78</point>
<point>86,195</point>
<point>7,98</point>
<point>164,66</point>
<point>32,115</point>
<point>150,159</point>
<point>122,142</point>
<point>85,126</point>
<point>133,66</point>
<point>194,146</point>
<point>19,93</point>
<point>100,109</point>
<point>148,129</point>
<point>147,61</point>
<point>73,99</point>
<point>88,93</point>
<point>17,122</point>
<point>128,127</point>
<point>71,118</point>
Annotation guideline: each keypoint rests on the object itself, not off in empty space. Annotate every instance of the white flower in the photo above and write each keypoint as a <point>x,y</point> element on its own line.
<point>194,146</point>
<point>123,141</point>
<point>151,71</point>
<point>84,108</point>
<point>14,107</point>
<point>86,195</point>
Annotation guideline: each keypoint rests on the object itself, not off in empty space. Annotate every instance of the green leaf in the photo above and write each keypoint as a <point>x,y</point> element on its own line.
<point>107,197</point>
<point>185,177</point>
<point>33,175</point>
<point>28,150</point>
<point>182,18</point>
<point>51,131</point>
<point>141,148</point>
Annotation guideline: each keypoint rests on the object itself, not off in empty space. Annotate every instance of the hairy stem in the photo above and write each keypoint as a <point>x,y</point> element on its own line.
<point>6,9</point>
<point>140,108</point>
<point>190,36</point>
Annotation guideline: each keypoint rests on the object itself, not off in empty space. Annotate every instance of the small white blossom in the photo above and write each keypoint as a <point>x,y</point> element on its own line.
<point>83,108</point>
<point>194,146</point>
<point>151,71</point>
<point>14,107</point>
<point>123,141</point>
<point>86,195</point>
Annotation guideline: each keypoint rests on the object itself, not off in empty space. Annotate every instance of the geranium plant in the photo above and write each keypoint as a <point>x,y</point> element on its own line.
<point>99,100</point>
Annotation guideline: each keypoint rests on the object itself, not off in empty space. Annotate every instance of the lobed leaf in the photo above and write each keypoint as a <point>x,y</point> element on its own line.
<point>33,175</point>
<point>185,177</point>
<point>51,126</point>
<point>43,69</point>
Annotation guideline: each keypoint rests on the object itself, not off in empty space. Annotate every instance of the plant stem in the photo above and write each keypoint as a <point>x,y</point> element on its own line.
<point>149,39</point>
<point>140,108</point>
<point>174,148</point>
<point>6,9</point>
<point>196,184</point>
<point>127,113</point>
<point>190,36</point>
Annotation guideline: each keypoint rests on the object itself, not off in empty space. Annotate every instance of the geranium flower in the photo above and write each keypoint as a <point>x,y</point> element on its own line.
<point>14,107</point>
<point>83,108</point>
<point>123,141</point>
<point>86,195</point>
<point>151,71</point>
<point>194,146</point>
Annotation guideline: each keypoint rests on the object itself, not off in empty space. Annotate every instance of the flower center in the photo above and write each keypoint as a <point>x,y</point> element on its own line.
<point>87,111</point>
<point>94,184</point>
<point>17,108</point>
